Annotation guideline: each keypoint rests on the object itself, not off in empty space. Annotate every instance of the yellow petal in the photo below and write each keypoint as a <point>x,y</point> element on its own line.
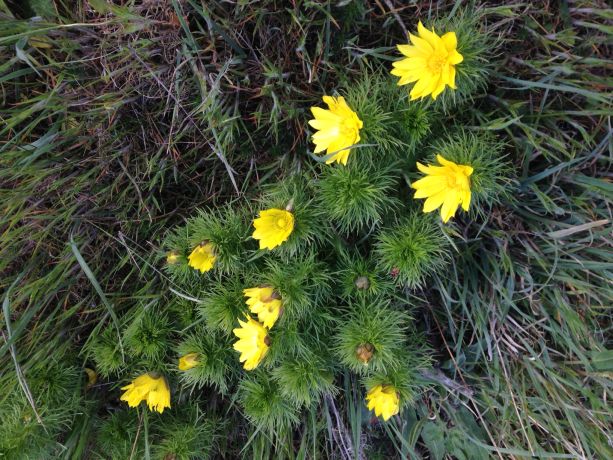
<point>421,44</point>
<point>324,115</point>
<point>429,36</point>
<point>450,40</point>
<point>451,78</point>
<point>438,90</point>
<point>410,63</point>
<point>418,90</point>
<point>466,196</point>
<point>450,205</point>
<point>455,57</point>
<point>434,201</point>
<point>406,79</point>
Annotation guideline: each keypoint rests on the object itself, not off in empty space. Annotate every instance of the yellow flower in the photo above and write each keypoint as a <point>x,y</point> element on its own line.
<point>172,258</point>
<point>188,361</point>
<point>273,227</point>
<point>150,387</point>
<point>384,400</point>
<point>338,128</point>
<point>203,257</point>
<point>92,377</point>
<point>447,186</point>
<point>253,343</point>
<point>430,61</point>
<point>264,302</point>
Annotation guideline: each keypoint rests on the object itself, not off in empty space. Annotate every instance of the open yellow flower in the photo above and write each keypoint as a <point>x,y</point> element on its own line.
<point>447,186</point>
<point>149,387</point>
<point>253,343</point>
<point>338,128</point>
<point>188,361</point>
<point>202,257</point>
<point>264,302</point>
<point>273,227</point>
<point>430,61</point>
<point>384,400</point>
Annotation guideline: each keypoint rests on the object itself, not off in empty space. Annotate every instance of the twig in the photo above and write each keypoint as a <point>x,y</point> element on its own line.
<point>342,437</point>
<point>388,3</point>
<point>448,383</point>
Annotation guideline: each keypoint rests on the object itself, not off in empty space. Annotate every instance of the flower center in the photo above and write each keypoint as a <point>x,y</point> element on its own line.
<point>457,181</point>
<point>348,127</point>
<point>281,222</point>
<point>436,62</point>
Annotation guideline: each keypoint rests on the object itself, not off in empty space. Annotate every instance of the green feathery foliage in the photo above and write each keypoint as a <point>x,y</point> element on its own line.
<point>413,250</point>
<point>305,378</point>
<point>117,436</point>
<point>373,97</point>
<point>265,405</point>
<point>197,112</point>
<point>357,196</point>
<point>184,312</point>
<point>302,282</point>
<point>107,352</point>
<point>30,427</point>
<point>361,277</point>
<point>371,337</point>
<point>186,436</point>
<point>216,360</point>
<point>147,335</point>
<point>393,125</point>
<point>223,305</point>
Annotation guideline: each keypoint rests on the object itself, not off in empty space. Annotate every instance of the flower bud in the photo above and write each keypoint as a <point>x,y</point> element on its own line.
<point>362,283</point>
<point>364,352</point>
<point>172,257</point>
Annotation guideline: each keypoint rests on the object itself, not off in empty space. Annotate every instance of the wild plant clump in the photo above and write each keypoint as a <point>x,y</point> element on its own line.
<point>332,229</point>
<point>319,275</point>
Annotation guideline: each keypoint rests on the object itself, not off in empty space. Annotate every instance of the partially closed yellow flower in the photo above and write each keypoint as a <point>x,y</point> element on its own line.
<point>273,227</point>
<point>430,61</point>
<point>172,258</point>
<point>384,400</point>
<point>447,186</point>
<point>253,343</point>
<point>264,302</point>
<point>203,257</point>
<point>188,361</point>
<point>92,377</point>
<point>150,387</point>
<point>338,128</point>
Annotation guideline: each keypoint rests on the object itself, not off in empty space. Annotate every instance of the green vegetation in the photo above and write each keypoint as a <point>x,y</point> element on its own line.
<point>135,130</point>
